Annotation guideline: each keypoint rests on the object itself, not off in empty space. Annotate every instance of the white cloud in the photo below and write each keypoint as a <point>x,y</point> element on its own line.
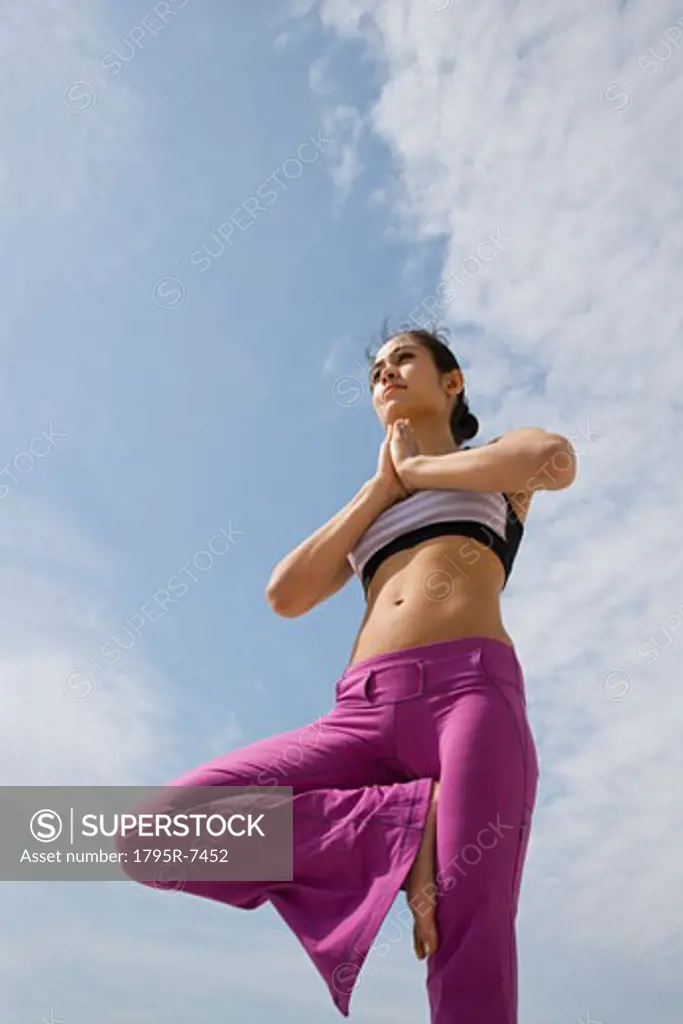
<point>200,962</point>
<point>343,124</point>
<point>319,75</point>
<point>58,727</point>
<point>197,953</point>
<point>337,351</point>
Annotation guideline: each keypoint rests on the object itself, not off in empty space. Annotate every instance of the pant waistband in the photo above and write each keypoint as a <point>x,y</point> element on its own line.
<point>411,671</point>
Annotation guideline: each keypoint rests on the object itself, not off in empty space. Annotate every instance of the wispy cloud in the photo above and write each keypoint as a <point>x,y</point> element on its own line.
<point>169,291</point>
<point>48,615</point>
<point>344,124</point>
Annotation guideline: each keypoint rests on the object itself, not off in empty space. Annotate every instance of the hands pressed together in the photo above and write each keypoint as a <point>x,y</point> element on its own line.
<point>398,448</point>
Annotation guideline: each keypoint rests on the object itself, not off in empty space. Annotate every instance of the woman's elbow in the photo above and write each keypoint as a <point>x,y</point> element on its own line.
<point>563,463</point>
<point>282,603</point>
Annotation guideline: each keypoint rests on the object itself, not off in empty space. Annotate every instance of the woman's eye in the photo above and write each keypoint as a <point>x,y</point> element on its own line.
<point>402,355</point>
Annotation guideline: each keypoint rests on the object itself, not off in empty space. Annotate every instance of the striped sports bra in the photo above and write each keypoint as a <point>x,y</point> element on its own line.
<point>486,516</point>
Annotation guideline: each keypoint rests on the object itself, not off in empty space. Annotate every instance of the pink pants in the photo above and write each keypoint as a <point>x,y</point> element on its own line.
<point>362,776</point>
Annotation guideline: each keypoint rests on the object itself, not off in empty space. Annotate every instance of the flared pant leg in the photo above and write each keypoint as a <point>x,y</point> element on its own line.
<point>488,773</point>
<point>357,827</point>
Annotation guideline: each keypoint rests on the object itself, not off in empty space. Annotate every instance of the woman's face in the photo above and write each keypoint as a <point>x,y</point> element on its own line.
<point>404,380</point>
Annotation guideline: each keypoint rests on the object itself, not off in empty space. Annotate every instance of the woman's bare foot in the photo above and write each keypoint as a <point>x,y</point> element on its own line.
<point>421,889</point>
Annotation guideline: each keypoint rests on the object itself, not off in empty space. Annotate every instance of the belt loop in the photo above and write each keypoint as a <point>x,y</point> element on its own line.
<point>423,678</point>
<point>367,685</point>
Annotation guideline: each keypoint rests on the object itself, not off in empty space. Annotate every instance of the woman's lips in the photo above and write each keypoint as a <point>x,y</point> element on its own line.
<point>393,387</point>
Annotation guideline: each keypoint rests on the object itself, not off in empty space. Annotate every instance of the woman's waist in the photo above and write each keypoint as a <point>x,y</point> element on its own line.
<point>405,616</point>
<point>416,669</point>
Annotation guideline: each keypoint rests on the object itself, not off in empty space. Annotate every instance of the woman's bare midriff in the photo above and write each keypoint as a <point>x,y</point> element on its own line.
<point>445,588</point>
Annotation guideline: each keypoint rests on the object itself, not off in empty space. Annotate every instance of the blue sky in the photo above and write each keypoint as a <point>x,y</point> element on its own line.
<point>153,398</point>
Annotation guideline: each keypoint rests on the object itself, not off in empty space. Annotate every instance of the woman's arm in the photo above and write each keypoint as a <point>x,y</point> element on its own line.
<point>527,459</point>
<point>318,566</point>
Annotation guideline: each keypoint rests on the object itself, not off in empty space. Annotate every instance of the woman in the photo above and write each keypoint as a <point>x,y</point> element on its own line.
<point>423,774</point>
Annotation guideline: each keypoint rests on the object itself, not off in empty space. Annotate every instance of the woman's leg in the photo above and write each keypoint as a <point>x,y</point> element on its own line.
<point>357,830</point>
<point>487,791</point>
<point>420,887</point>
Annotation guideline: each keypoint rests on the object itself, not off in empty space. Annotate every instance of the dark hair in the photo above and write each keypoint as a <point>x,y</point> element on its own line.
<point>464,424</point>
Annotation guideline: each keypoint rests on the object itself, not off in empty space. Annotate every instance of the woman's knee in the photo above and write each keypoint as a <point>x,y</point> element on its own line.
<point>264,763</point>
